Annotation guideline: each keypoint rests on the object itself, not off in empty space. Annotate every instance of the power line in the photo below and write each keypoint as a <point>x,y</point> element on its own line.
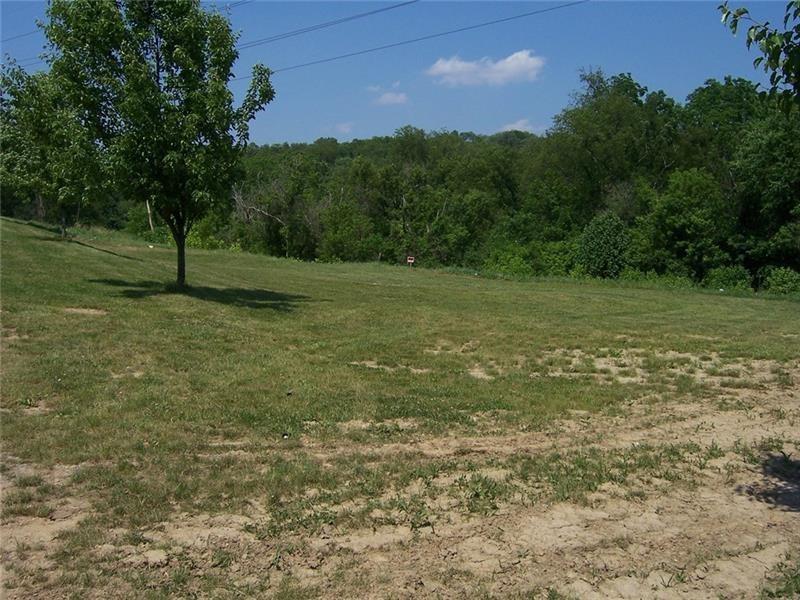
<point>277,37</point>
<point>420,39</point>
<point>319,26</point>
<point>21,35</point>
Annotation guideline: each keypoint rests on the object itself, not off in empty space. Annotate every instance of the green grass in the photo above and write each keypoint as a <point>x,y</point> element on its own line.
<point>261,346</point>
<point>147,390</point>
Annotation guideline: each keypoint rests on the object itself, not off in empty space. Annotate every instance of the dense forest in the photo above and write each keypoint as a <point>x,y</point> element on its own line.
<point>627,183</point>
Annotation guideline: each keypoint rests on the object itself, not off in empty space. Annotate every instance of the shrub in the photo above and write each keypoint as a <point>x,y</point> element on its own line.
<point>204,235</point>
<point>651,277</point>
<point>728,278</point>
<point>136,224</point>
<point>602,246</point>
<point>782,280</point>
<point>509,262</point>
<point>553,258</point>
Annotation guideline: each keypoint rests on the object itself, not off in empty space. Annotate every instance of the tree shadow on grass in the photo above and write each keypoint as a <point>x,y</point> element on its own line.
<point>780,485</point>
<point>243,297</point>
<point>85,245</point>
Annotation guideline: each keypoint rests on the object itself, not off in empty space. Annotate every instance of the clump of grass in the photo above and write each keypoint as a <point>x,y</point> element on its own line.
<point>221,558</point>
<point>29,481</point>
<point>24,503</point>
<point>728,404</point>
<point>753,453</point>
<point>30,498</point>
<point>769,444</point>
<point>714,451</point>
<point>570,476</point>
<point>723,372</point>
<point>481,494</point>
<point>784,582</point>
<point>782,377</point>
<point>415,511</point>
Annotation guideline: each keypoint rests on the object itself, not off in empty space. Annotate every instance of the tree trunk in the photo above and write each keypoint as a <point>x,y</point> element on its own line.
<point>149,216</point>
<point>179,233</point>
<point>40,212</point>
<point>180,242</point>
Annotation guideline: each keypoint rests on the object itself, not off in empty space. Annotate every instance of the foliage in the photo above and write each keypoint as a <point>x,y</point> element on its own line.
<point>603,246</point>
<point>54,166</point>
<point>782,280</point>
<point>204,234</point>
<point>687,229</point>
<point>668,280</point>
<point>348,234</point>
<point>780,49</point>
<point>509,262</point>
<point>766,169</point>
<point>728,278</point>
<point>557,258</point>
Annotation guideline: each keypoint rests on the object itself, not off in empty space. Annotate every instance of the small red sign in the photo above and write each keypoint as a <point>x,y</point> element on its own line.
<point>410,260</point>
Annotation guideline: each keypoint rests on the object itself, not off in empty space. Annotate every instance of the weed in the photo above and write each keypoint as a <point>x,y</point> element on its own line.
<point>784,581</point>
<point>481,494</point>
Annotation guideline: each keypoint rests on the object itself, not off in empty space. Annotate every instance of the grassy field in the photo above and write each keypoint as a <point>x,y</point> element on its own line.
<point>304,430</point>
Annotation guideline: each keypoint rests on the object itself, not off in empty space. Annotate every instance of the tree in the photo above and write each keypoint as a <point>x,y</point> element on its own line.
<point>47,160</point>
<point>686,231</point>
<point>780,49</point>
<point>715,115</point>
<point>148,80</point>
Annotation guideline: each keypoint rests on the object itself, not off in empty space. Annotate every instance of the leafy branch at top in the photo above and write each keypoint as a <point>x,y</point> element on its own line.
<point>780,49</point>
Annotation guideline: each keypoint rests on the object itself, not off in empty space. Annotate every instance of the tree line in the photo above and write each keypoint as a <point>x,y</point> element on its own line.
<point>627,182</point>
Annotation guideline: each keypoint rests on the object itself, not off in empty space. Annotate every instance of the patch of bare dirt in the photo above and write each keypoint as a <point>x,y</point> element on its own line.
<point>128,372</point>
<point>85,311</point>
<point>27,542</point>
<point>636,365</point>
<point>448,347</point>
<point>478,372</point>
<point>401,424</point>
<point>372,364</point>
<point>10,334</point>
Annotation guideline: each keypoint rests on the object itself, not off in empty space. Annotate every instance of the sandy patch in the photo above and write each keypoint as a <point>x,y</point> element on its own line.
<point>372,364</point>
<point>478,372</point>
<point>85,311</point>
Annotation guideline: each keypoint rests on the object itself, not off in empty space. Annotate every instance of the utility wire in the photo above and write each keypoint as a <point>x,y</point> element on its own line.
<point>274,38</point>
<point>419,39</point>
<point>282,36</point>
<point>21,35</point>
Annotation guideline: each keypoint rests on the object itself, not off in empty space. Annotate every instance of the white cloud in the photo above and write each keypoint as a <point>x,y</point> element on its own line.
<point>392,98</point>
<point>374,88</point>
<point>344,127</point>
<point>520,125</point>
<point>519,66</point>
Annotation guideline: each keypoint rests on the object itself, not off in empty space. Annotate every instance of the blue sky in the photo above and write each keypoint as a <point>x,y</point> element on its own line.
<point>516,74</point>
